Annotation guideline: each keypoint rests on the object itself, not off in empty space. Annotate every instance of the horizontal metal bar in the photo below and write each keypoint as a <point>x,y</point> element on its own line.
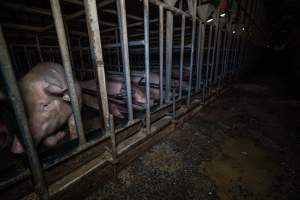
<point>131,43</point>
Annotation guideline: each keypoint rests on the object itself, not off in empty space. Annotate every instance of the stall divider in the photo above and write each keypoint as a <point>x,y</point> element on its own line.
<point>125,54</point>
<point>60,30</point>
<point>18,106</point>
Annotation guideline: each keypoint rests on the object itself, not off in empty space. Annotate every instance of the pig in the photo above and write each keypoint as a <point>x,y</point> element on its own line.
<point>45,94</point>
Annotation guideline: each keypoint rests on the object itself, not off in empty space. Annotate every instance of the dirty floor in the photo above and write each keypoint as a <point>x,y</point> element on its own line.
<point>245,145</point>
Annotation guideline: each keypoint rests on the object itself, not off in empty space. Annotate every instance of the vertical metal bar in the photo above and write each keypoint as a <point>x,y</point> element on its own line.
<point>217,56</point>
<point>169,48</point>
<point>199,43</point>
<point>181,55</point>
<point>118,50</point>
<point>202,54</point>
<point>207,62</point>
<point>192,53</point>
<point>18,106</point>
<point>125,53</point>
<point>173,104</point>
<point>147,65</point>
<point>161,55</point>
<point>96,52</point>
<point>38,47</point>
<point>27,58</point>
<point>113,137</point>
<point>81,74</point>
<point>58,21</point>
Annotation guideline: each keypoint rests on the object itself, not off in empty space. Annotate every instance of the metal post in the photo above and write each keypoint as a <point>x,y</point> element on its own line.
<point>38,47</point>
<point>181,55</point>
<point>192,53</point>
<point>118,50</point>
<point>17,103</point>
<point>198,56</point>
<point>207,62</point>
<point>217,56</point>
<point>169,46</point>
<point>125,53</point>
<point>202,54</point>
<point>81,74</point>
<point>161,55</point>
<point>113,137</point>
<point>173,104</point>
<point>58,21</point>
<point>147,65</point>
<point>96,51</point>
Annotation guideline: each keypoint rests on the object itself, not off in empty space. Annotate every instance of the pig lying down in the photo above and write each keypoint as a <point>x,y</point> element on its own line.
<point>45,94</point>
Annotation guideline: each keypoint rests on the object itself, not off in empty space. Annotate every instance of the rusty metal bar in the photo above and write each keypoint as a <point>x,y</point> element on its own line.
<point>181,55</point>
<point>161,55</point>
<point>61,35</point>
<point>96,54</point>
<point>125,53</point>
<point>18,106</point>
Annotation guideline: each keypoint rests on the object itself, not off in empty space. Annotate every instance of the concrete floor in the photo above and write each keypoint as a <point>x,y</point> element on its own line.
<point>242,146</point>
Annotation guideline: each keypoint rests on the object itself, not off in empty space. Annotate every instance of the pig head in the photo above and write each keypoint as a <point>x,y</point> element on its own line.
<point>45,94</point>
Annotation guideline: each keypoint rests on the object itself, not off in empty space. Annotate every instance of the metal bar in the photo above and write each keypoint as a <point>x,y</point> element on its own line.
<point>169,48</point>
<point>81,59</point>
<point>208,61</point>
<point>24,8</point>
<point>181,55</point>
<point>78,14</point>
<point>161,55</point>
<point>170,8</point>
<point>192,53</point>
<point>18,106</point>
<point>39,47</point>
<point>27,58</point>
<point>130,43</point>
<point>198,56</point>
<point>118,50</point>
<point>125,53</point>
<point>61,35</point>
<point>202,53</point>
<point>147,65</point>
<point>113,137</point>
<point>129,16</point>
<point>96,53</point>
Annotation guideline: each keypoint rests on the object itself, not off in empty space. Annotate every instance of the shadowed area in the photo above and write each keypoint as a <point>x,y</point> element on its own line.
<point>243,146</point>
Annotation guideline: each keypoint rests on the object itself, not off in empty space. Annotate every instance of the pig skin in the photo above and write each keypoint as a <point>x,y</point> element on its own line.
<point>45,94</point>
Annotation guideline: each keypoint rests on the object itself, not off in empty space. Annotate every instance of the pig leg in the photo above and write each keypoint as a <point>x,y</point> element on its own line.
<point>54,139</point>
<point>72,127</point>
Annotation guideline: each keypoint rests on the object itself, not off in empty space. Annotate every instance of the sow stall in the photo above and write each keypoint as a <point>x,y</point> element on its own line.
<point>176,56</point>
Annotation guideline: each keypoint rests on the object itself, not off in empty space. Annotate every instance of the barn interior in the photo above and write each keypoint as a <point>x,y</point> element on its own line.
<point>149,99</point>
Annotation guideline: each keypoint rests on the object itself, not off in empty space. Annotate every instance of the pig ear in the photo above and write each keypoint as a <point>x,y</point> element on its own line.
<point>55,89</point>
<point>17,147</point>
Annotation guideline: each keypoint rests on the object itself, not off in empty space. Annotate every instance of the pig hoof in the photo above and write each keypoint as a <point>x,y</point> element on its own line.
<point>54,139</point>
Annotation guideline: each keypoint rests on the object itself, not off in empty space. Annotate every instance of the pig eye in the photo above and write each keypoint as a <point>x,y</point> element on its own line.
<point>44,106</point>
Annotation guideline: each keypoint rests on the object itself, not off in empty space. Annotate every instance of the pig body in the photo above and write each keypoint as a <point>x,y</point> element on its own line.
<point>45,93</point>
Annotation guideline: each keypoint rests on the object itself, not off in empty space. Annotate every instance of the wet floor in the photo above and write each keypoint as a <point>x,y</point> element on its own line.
<point>242,146</point>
